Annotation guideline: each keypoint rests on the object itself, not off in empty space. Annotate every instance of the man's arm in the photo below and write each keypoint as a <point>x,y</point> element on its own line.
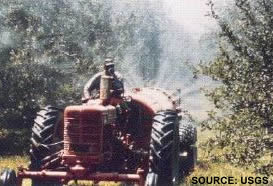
<point>93,83</point>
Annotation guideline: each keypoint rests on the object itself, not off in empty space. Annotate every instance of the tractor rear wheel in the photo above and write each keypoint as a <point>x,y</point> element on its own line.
<point>162,153</point>
<point>168,143</point>
<point>46,143</point>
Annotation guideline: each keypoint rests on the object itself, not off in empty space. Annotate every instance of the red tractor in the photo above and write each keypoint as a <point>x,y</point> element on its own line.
<point>139,137</point>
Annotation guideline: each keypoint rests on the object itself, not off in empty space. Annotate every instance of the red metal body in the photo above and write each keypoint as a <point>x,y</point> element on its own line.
<point>84,137</point>
<point>83,133</point>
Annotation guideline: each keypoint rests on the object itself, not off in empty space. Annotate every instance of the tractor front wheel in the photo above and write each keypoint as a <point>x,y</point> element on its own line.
<point>8,177</point>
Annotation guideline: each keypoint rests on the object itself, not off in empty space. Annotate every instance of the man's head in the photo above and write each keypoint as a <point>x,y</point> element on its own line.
<point>109,66</point>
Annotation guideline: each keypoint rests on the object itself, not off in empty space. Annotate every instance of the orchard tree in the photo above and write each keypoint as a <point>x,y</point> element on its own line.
<point>243,114</point>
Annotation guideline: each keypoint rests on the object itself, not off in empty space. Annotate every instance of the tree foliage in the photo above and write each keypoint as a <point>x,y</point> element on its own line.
<point>243,116</point>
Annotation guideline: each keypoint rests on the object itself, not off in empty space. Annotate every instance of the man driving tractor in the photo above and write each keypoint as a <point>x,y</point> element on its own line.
<point>92,87</point>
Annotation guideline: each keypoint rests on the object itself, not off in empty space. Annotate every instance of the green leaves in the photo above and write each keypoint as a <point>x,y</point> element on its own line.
<point>243,100</point>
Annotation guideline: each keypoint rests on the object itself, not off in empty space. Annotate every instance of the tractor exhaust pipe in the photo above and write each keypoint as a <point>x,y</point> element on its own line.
<point>105,87</point>
<point>106,80</point>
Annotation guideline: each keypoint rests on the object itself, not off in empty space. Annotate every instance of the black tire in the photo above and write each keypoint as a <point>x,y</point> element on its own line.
<point>161,172</point>
<point>187,138</point>
<point>151,179</point>
<point>187,133</point>
<point>8,177</point>
<point>46,143</point>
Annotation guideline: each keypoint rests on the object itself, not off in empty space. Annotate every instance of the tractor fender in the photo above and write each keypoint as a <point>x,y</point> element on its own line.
<point>153,100</point>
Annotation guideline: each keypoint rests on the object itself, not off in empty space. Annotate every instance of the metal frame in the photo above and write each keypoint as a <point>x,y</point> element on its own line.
<point>79,173</point>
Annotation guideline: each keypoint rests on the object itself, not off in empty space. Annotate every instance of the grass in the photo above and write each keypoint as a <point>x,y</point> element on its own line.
<point>12,161</point>
<point>204,168</point>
